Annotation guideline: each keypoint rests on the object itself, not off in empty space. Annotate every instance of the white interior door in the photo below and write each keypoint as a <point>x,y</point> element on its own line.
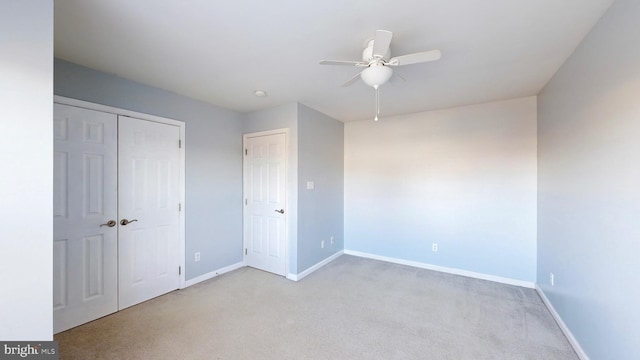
<point>265,188</point>
<point>85,198</point>
<point>149,198</point>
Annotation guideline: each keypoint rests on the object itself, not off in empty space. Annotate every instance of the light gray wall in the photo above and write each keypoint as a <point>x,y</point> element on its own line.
<point>589,181</point>
<point>321,210</point>
<point>213,158</point>
<point>283,117</point>
<point>26,153</point>
<point>464,178</point>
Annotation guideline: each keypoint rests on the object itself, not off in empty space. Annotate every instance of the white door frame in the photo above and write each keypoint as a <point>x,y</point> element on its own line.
<point>117,111</point>
<point>245,192</point>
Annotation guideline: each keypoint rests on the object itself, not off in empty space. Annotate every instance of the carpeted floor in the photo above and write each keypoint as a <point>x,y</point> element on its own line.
<point>353,308</point>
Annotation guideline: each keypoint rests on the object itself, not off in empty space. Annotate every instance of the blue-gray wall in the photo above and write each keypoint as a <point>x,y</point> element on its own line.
<point>213,158</point>
<point>321,210</point>
<point>315,153</point>
<point>464,178</point>
<point>26,153</point>
<point>589,187</point>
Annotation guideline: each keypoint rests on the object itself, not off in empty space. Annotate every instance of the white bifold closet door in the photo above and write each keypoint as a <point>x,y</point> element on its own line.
<point>148,170</point>
<point>85,246</point>
<point>116,215</point>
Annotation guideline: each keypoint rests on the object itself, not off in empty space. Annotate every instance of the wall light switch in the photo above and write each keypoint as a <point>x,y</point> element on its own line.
<point>310,185</point>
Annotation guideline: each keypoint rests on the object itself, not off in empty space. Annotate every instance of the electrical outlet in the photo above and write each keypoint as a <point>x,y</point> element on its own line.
<point>322,244</point>
<point>197,257</point>
<point>434,247</point>
<point>552,279</point>
<point>331,238</point>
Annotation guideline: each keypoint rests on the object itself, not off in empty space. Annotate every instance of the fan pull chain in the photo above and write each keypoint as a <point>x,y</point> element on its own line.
<point>377,103</point>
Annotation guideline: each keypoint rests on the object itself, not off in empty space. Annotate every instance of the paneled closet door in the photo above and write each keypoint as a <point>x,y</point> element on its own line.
<point>149,200</point>
<point>85,244</point>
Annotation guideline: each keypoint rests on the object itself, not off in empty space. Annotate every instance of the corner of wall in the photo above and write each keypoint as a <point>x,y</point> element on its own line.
<point>565,329</point>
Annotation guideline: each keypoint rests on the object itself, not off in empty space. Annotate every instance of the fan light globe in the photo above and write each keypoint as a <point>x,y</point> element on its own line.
<point>376,75</point>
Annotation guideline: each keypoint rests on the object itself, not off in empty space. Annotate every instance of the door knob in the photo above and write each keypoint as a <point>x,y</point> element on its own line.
<point>281,211</point>
<point>110,223</point>
<point>124,222</point>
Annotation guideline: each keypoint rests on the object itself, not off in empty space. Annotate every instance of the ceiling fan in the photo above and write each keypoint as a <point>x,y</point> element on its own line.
<point>377,62</point>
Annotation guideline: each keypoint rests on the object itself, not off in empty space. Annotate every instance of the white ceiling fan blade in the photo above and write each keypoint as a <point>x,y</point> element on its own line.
<point>381,43</point>
<point>352,80</point>
<point>343,62</point>
<point>420,57</point>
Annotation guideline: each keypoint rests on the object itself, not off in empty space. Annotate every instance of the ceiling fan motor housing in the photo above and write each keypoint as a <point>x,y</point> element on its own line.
<point>377,73</point>
<point>367,53</point>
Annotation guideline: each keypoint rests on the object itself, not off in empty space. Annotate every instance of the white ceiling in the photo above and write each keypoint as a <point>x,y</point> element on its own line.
<point>221,51</point>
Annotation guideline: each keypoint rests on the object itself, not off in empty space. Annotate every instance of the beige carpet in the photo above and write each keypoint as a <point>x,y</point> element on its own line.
<point>353,308</point>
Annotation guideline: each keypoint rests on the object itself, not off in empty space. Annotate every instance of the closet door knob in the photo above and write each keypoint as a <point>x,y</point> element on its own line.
<point>110,223</point>
<point>124,222</point>
<point>281,211</point>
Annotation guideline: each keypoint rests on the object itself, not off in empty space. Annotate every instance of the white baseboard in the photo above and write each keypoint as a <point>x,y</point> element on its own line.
<point>472,274</point>
<point>297,277</point>
<point>572,340</point>
<point>213,274</point>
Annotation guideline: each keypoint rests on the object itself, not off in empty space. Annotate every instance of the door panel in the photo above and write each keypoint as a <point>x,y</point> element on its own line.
<point>85,196</point>
<point>265,193</point>
<point>149,194</point>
